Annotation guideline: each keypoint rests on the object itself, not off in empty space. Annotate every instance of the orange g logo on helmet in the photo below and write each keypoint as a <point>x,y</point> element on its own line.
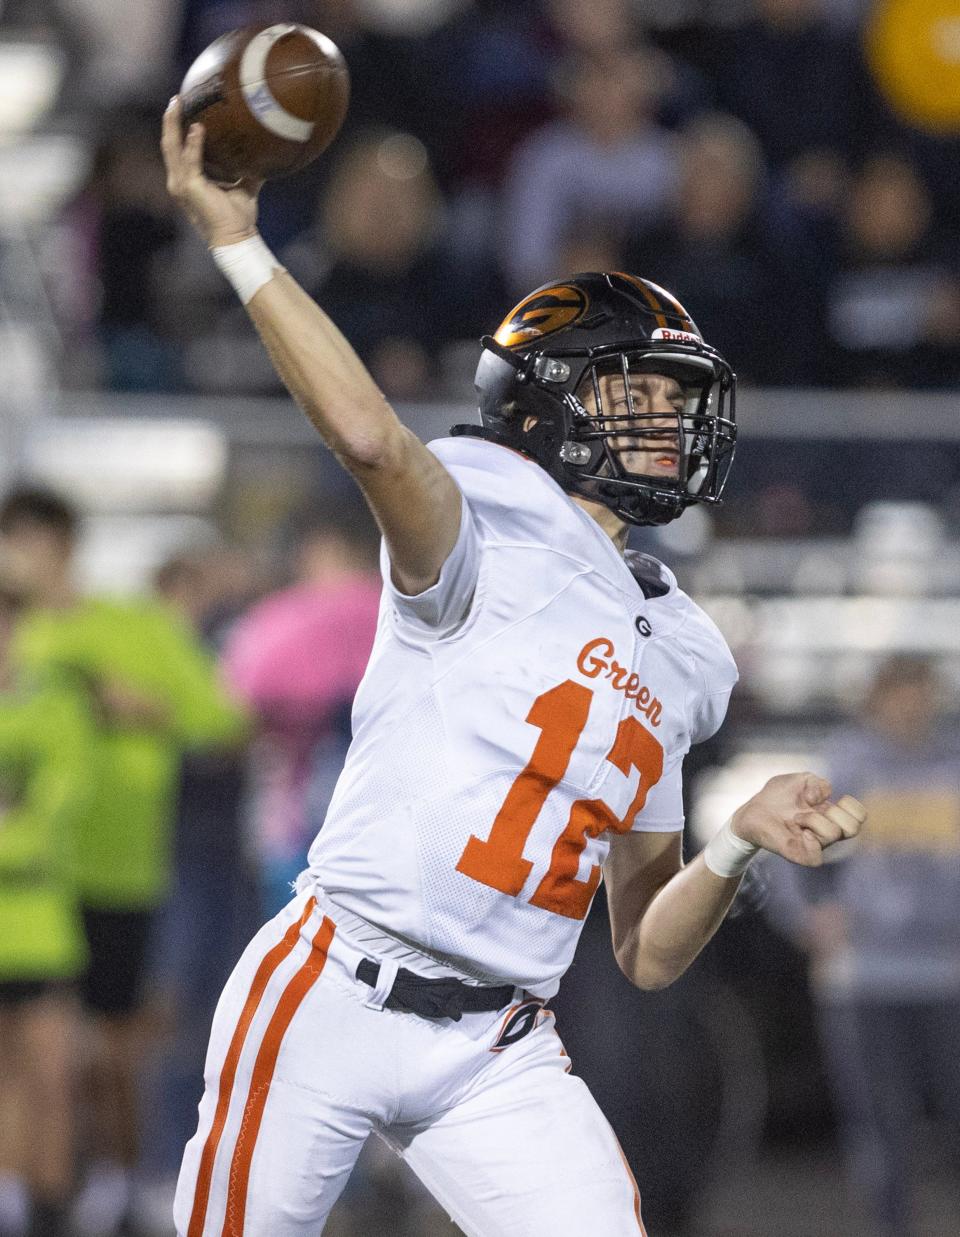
<point>542,313</point>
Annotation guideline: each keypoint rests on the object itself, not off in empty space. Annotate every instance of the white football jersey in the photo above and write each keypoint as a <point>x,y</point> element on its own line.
<point>529,704</point>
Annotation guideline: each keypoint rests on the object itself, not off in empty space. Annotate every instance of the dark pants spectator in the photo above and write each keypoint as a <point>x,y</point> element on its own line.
<point>878,1056</point>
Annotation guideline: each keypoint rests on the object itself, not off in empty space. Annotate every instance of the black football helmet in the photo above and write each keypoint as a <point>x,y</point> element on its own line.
<point>543,385</point>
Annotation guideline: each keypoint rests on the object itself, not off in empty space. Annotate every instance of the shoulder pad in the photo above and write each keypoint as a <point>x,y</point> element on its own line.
<point>648,573</point>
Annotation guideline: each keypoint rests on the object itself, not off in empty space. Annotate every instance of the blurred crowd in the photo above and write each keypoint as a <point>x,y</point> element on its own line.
<point>759,158</point>
<point>164,763</point>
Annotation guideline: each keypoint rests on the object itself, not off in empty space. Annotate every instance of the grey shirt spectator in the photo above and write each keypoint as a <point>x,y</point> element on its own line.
<point>883,934</point>
<point>899,890</point>
<point>608,166</point>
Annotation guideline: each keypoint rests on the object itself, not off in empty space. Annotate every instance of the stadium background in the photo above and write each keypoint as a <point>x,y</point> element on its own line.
<point>788,169</point>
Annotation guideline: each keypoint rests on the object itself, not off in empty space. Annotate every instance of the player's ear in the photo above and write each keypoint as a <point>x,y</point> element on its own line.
<point>529,423</point>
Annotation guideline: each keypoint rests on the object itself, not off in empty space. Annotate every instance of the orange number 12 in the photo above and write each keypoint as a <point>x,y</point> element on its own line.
<point>561,715</point>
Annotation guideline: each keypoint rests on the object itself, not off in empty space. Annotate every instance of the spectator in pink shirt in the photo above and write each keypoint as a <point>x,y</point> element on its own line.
<point>296,658</point>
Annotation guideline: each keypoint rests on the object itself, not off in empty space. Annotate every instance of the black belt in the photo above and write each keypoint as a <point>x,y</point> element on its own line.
<point>436,998</point>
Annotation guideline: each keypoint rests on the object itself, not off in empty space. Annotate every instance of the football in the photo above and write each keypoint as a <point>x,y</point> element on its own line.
<point>271,98</point>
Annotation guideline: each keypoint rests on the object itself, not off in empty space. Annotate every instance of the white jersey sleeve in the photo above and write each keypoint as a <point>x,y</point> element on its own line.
<point>439,610</point>
<point>663,810</point>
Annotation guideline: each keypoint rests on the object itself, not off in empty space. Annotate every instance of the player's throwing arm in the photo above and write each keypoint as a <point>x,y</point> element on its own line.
<point>412,496</point>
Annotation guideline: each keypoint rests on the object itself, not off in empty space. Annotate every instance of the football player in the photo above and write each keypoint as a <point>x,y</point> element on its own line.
<point>520,729</point>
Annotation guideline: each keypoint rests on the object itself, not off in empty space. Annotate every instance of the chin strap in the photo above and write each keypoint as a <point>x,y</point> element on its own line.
<point>488,435</point>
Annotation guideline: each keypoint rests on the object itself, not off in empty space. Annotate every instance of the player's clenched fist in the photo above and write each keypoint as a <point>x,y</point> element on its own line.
<point>794,816</point>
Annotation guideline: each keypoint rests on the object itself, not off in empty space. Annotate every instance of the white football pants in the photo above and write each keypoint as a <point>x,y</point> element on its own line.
<point>302,1066</point>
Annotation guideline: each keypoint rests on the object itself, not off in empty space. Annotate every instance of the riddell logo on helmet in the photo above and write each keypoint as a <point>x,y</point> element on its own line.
<point>682,337</point>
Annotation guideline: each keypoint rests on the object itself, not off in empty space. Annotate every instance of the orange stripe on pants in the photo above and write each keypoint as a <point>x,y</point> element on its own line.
<point>266,1062</point>
<point>265,970</point>
<point>636,1191</point>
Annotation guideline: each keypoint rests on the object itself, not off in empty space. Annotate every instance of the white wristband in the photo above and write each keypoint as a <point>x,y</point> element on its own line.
<point>726,854</point>
<point>248,265</point>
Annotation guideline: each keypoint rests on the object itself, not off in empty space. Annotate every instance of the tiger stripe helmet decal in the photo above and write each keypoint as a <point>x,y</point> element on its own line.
<point>541,314</point>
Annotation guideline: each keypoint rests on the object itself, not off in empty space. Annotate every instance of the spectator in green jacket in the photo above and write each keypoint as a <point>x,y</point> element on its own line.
<point>44,790</point>
<point>153,693</point>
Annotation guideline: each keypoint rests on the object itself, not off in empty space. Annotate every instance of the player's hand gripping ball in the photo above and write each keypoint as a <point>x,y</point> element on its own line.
<point>270,98</point>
